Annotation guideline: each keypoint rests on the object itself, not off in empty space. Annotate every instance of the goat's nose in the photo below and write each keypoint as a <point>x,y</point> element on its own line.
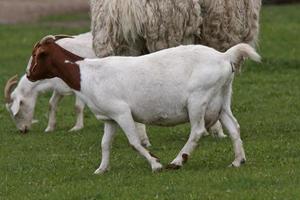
<point>25,130</point>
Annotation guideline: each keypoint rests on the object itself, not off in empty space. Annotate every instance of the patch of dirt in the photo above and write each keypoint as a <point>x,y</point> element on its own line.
<point>16,11</point>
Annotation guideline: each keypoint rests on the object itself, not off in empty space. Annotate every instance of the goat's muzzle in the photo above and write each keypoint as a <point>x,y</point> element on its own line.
<point>13,81</point>
<point>25,130</point>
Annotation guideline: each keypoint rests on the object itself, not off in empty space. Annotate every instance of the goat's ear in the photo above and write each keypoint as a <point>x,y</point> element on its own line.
<point>15,107</point>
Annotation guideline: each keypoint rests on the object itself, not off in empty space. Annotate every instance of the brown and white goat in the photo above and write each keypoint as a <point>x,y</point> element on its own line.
<point>183,84</point>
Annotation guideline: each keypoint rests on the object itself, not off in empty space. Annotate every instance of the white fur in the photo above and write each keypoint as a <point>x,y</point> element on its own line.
<point>25,94</point>
<point>177,85</point>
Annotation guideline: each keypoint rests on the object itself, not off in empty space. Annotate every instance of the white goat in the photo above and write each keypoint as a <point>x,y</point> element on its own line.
<point>21,102</point>
<point>177,85</point>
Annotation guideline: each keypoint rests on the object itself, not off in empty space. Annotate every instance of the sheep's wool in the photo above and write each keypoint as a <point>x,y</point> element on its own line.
<point>135,27</point>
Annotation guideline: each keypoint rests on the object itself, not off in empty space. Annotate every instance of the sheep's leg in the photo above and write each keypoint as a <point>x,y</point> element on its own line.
<point>141,130</point>
<point>110,128</point>
<point>126,122</point>
<point>79,107</point>
<point>217,130</point>
<point>231,124</point>
<point>54,100</point>
<point>196,116</point>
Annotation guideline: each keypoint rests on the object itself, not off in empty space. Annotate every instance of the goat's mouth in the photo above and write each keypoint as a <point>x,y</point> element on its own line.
<point>24,130</point>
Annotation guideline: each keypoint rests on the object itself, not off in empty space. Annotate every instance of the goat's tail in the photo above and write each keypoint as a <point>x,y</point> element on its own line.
<point>239,52</point>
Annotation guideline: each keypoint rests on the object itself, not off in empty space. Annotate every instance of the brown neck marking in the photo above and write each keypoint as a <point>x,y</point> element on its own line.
<point>67,69</point>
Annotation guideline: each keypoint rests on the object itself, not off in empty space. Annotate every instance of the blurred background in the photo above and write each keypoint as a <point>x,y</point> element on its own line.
<point>14,11</point>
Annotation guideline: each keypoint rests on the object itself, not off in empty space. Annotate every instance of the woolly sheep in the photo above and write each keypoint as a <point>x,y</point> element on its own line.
<point>137,27</point>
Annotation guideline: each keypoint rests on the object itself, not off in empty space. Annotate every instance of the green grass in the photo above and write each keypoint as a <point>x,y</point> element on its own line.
<point>60,165</point>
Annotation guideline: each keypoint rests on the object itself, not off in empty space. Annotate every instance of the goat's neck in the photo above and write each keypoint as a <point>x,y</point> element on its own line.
<point>67,69</point>
<point>26,87</point>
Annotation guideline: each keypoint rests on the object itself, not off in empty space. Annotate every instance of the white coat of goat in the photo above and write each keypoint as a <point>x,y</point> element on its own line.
<point>177,85</point>
<point>21,101</point>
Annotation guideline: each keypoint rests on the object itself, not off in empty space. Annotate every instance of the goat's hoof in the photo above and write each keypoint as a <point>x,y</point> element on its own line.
<point>157,167</point>
<point>237,163</point>
<point>49,129</point>
<point>75,128</point>
<point>100,171</point>
<point>173,166</point>
<point>217,134</point>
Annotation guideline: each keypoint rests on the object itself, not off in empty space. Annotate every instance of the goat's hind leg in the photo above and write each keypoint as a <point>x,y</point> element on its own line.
<point>53,102</point>
<point>79,107</point>
<point>231,124</point>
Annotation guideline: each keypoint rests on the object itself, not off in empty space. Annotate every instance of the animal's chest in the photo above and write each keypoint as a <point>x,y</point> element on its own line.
<point>91,103</point>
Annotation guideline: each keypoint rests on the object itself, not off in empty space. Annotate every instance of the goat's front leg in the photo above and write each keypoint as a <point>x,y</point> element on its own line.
<point>141,130</point>
<point>127,124</point>
<point>231,124</point>
<point>54,100</point>
<point>79,107</point>
<point>110,128</point>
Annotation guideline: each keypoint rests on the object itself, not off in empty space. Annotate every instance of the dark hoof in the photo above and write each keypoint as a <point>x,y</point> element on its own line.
<point>185,157</point>
<point>243,161</point>
<point>173,166</point>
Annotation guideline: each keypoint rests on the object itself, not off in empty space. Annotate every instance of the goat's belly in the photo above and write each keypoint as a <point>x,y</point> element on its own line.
<point>166,118</point>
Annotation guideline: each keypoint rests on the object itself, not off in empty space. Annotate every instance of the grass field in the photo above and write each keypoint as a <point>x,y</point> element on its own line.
<point>60,165</point>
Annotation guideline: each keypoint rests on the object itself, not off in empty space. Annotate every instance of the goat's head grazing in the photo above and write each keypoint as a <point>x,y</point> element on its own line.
<point>20,102</point>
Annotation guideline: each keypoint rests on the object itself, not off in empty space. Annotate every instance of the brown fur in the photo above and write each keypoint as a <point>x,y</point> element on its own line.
<point>48,61</point>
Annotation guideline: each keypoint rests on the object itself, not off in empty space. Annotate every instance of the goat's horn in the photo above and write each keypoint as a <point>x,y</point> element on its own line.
<point>8,87</point>
<point>47,38</point>
<point>60,36</point>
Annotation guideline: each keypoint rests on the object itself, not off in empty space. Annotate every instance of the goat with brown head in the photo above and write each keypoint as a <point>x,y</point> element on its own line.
<point>21,95</point>
<point>49,60</point>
